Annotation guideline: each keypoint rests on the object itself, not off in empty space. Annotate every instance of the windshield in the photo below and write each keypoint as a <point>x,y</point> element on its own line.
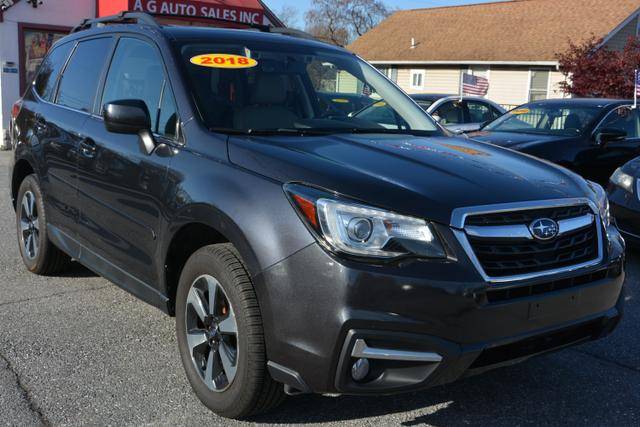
<point>293,89</point>
<point>547,120</point>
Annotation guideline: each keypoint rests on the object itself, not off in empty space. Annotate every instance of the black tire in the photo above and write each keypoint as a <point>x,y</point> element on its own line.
<point>47,259</point>
<point>252,390</point>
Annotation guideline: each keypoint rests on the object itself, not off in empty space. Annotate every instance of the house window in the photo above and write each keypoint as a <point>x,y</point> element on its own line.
<point>539,88</point>
<point>390,72</point>
<point>417,79</point>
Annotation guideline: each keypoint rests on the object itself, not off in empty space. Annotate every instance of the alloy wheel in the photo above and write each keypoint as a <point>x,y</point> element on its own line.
<point>212,333</point>
<point>29,225</point>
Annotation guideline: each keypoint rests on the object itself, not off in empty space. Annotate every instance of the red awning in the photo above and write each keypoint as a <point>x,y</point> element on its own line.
<point>241,11</point>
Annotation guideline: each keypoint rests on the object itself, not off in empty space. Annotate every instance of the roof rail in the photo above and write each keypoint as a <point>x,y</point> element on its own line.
<point>121,18</point>
<point>144,18</point>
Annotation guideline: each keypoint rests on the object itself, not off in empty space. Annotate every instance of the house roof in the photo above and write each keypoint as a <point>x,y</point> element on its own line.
<point>511,31</point>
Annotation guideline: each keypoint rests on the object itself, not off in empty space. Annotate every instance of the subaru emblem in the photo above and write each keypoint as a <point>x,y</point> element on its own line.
<point>544,229</point>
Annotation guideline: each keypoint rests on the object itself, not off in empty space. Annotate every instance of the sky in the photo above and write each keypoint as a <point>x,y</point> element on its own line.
<point>303,5</point>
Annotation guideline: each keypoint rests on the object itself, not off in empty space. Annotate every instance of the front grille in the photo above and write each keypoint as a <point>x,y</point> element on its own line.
<point>506,256</point>
<point>500,295</point>
<point>528,216</point>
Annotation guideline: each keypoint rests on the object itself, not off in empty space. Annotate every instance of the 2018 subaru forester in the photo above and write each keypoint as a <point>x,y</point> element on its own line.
<point>204,171</point>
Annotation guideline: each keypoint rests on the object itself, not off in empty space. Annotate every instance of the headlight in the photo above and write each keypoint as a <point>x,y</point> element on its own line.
<point>623,180</point>
<point>364,231</point>
<point>603,202</point>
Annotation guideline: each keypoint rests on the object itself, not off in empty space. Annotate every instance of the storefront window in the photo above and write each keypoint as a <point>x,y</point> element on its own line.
<point>36,42</point>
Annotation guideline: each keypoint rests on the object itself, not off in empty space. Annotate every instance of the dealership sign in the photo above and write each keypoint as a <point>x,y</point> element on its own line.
<point>199,9</point>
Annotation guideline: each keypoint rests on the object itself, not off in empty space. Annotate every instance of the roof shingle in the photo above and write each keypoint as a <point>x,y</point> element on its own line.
<point>519,30</point>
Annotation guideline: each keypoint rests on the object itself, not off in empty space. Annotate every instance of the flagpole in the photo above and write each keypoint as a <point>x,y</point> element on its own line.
<point>635,89</point>
<point>461,84</point>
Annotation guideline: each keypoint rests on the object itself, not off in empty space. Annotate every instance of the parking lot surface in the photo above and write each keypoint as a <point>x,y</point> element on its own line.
<point>77,350</point>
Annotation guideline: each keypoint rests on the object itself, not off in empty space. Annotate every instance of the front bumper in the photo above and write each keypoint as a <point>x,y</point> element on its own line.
<point>316,308</point>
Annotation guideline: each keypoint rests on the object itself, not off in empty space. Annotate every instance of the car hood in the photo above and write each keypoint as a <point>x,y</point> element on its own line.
<point>426,177</point>
<point>516,141</point>
<point>632,167</point>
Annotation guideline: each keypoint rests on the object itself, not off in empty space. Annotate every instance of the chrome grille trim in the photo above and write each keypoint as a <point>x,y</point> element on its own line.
<point>459,216</point>
<point>521,231</point>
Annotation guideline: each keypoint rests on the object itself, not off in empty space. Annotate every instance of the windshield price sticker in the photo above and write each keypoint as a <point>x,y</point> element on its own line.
<point>520,111</point>
<point>223,60</point>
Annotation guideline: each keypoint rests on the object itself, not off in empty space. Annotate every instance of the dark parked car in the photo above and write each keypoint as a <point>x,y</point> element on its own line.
<point>592,137</point>
<point>624,196</point>
<point>466,115</point>
<point>197,169</point>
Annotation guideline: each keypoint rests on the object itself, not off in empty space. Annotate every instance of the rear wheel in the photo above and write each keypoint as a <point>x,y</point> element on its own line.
<point>39,255</point>
<point>220,335</point>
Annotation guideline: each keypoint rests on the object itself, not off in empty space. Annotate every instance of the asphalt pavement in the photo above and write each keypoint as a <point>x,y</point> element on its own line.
<point>77,350</point>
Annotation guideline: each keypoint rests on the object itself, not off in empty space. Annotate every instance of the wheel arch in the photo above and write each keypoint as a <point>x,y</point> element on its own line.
<point>21,169</point>
<point>200,226</point>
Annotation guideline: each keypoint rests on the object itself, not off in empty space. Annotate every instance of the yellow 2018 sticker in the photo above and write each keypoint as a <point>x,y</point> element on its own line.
<point>223,60</point>
<point>340,100</point>
<point>521,111</point>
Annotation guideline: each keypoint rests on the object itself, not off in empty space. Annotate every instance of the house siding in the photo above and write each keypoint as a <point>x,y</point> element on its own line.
<point>554,85</point>
<point>619,40</point>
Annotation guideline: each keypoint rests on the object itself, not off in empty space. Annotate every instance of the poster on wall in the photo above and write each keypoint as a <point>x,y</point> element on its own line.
<point>37,43</point>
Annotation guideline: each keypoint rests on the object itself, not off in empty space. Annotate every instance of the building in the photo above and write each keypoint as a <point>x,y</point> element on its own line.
<point>513,44</point>
<point>28,28</point>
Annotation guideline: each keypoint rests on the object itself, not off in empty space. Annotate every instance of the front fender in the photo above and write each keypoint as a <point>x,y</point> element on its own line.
<point>249,210</point>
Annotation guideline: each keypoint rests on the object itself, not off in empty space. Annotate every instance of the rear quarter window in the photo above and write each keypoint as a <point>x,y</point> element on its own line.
<point>45,82</point>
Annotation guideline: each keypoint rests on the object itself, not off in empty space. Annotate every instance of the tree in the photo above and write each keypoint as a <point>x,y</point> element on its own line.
<point>289,16</point>
<point>341,21</point>
<point>592,70</point>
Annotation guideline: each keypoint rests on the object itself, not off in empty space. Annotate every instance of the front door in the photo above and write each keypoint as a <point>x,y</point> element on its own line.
<point>122,187</point>
<point>599,162</point>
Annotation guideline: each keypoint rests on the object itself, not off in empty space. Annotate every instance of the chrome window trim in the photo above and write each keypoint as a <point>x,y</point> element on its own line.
<point>460,215</point>
<point>362,350</point>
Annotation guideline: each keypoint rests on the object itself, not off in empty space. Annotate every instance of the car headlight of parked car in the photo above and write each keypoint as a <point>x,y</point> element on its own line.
<point>363,231</point>
<point>602,201</point>
<point>623,180</point>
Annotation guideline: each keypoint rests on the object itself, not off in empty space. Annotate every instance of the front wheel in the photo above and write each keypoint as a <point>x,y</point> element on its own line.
<point>220,335</point>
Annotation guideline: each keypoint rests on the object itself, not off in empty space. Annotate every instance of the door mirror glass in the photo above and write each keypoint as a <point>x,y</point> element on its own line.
<point>129,116</point>
<point>607,135</point>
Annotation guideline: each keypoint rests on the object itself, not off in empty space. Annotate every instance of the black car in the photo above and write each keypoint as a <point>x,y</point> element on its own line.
<point>591,137</point>
<point>300,252</point>
<point>624,196</point>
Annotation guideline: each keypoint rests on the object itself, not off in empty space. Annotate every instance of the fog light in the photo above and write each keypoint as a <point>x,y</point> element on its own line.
<point>360,369</point>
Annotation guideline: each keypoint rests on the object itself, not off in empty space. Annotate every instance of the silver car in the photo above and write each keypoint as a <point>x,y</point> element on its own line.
<point>458,116</point>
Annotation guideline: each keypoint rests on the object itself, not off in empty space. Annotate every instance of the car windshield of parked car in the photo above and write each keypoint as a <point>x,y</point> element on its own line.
<point>546,120</point>
<point>293,89</point>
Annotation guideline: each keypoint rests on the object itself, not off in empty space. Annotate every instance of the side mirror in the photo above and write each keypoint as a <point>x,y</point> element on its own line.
<point>608,135</point>
<point>129,116</point>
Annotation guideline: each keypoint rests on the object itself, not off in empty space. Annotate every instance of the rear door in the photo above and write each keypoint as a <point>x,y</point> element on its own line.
<point>122,188</point>
<point>58,124</point>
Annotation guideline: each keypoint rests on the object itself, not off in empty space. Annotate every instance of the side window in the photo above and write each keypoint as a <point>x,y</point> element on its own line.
<point>136,72</point>
<point>45,83</point>
<point>624,119</point>
<point>479,112</point>
<point>79,82</point>
<point>451,113</point>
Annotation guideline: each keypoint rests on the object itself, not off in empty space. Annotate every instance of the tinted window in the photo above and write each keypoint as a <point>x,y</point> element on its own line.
<point>80,79</point>
<point>136,72</point>
<point>50,69</point>
<point>624,119</point>
<point>450,113</point>
<point>480,112</point>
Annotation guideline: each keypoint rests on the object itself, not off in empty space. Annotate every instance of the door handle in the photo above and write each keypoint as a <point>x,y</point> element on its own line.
<point>88,148</point>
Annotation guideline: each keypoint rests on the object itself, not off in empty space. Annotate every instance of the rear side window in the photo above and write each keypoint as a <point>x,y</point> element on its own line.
<point>136,72</point>
<point>45,82</point>
<point>79,82</point>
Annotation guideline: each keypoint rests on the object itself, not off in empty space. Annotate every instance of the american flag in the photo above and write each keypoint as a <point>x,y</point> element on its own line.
<point>638,83</point>
<point>474,85</point>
